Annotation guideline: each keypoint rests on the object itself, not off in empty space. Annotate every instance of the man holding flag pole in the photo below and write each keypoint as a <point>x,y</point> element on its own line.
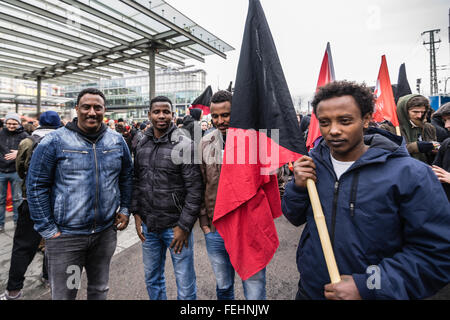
<point>386,212</point>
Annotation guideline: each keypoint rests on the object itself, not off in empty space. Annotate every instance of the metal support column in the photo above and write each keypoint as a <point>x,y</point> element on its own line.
<point>151,73</point>
<point>38,101</point>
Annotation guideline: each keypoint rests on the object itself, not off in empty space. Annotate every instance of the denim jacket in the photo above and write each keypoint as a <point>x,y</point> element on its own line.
<point>76,186</point>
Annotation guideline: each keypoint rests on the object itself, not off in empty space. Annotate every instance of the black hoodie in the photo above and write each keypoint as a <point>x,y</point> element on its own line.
<point>92,137</point>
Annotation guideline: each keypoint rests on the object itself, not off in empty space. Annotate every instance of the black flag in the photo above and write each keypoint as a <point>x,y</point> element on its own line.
<point>230,87</point>
<point>402,84</point>
<point>263,118</point>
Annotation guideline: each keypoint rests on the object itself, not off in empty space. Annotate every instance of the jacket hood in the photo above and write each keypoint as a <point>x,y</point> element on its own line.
<point>444,110</point>
<point>382,145</point>
<point>165,137</point>
<point>187,120</point>
<point>73,126</point>
<point>402,110</point>
<point>406,128</point>
<point>42,131</point>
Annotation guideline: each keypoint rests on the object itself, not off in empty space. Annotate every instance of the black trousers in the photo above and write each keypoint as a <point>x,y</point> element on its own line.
<point>25,245</point>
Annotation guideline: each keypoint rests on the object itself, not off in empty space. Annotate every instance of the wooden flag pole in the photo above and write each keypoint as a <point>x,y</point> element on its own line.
<point>397,130</point>
<point>319,218</point>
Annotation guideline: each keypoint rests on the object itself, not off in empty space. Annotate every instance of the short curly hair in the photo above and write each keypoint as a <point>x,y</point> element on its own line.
<point>362,94</point>
<point>222,96</point>
<point>160,99</point>
<point>90,91</point>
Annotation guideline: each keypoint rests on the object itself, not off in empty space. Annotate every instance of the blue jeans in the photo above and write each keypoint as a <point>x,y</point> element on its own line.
<point>154,255</point>
<point>254,287</point>
<point>16,191</point>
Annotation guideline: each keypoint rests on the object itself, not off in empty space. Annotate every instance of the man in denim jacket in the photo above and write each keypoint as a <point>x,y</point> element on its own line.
<point>79,177</point>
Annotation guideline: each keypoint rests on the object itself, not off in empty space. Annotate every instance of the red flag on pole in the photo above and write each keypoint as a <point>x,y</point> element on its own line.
<point>385,108</point>
<point>263,136</point>
<point>326,75</point>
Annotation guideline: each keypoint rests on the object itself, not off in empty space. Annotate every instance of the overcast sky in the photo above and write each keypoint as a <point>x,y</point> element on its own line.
<point>359,31</point>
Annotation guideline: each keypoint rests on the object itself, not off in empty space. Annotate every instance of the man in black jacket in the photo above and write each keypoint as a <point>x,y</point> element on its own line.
<point>166,201</point>
<point>10,138</point>
<point>441,165</point>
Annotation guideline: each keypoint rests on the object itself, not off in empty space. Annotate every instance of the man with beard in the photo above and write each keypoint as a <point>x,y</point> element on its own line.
<point>420,136</point>
<point>79,177</point>
<point>211,149</point>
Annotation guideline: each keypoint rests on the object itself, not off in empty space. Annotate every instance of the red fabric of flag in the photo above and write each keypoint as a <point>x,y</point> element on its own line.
<point>248,198</point>
<point>326,75</point>
<point>263,135</point>
<point>385,108</point>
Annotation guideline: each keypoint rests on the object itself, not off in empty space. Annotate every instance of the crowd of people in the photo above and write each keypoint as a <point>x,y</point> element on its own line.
<point>386,197</point>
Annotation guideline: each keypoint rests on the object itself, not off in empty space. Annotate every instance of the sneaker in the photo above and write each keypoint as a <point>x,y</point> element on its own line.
<point>6,296</point>
<point>2,228</point>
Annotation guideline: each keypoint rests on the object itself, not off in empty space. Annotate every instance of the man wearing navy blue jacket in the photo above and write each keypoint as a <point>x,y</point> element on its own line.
<point>387,214</point>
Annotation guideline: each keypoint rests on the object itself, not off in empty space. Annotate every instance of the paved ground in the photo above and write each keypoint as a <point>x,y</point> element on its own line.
<point>33,287</point>
<point>127,272</point>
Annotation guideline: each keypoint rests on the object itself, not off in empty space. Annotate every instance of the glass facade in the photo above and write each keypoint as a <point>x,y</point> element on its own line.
<point>19,96</point>
<point>129,97</point>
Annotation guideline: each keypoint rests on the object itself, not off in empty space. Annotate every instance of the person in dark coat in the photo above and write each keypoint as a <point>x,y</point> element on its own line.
<point>439,123</point>
<point>304,125</point>
<point>387,214</point>
<point>191,125</point>
<point>10,138</point>
<point>26,239</point>
<point>166,202</point>
<point>441,165</point>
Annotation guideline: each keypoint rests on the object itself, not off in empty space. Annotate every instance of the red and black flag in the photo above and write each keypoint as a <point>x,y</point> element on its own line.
<point>203,101</point>
<point>403,87</point>
<point>263,136</point>
<point>326,75</point>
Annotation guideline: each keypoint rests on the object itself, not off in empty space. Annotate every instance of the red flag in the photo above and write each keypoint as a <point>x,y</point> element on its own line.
<point>263,136</point>
<point>385,108</point>
<point>9,199</point>
<point>326,75</point>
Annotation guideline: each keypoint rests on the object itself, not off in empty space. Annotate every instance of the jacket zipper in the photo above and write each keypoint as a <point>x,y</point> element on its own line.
<point>333,216</point>
<point>96,187</point>
<point>76,151</point>
<point>109,151</point>
<point>353,193</point>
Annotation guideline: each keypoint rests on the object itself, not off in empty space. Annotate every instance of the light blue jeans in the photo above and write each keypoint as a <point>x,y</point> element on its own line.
<point>16,191</point>
<point>254,287</point>
<point>154,255</point>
